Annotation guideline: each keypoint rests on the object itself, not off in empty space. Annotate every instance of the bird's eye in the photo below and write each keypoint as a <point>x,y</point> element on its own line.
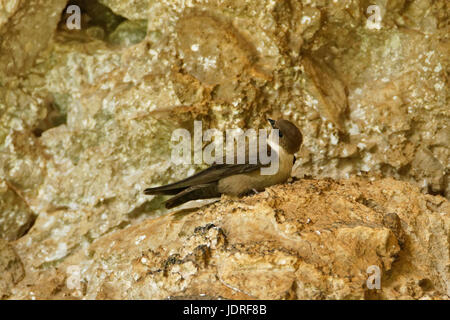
<point>280,134</point>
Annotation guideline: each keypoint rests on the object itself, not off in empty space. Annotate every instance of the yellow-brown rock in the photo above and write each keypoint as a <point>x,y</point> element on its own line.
<point>312,239</point>
<point>86,118</point>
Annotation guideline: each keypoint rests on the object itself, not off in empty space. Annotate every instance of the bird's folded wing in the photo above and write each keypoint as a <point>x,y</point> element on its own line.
<point>209,175</point>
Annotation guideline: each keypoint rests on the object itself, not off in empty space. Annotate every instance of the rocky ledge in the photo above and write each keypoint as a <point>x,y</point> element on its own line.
<point>311,239</point>
<point>87,115</point>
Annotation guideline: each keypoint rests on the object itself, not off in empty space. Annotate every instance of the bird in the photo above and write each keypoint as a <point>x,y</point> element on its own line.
<point>237,179</point>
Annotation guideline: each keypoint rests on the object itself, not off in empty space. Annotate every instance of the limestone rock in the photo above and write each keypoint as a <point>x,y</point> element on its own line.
<point>16,217</point>
<point>26,26</point>
<point>313,239</point>
<point>86,118</point>
<point>11,269</point>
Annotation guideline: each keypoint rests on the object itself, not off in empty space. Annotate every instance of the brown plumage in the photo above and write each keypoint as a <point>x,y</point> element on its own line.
<point>235,179</point>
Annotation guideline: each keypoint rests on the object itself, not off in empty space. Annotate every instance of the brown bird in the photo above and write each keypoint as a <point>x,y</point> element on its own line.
<point>237,179</point>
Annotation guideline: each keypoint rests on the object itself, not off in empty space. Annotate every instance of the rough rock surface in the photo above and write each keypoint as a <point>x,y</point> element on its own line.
<point>313,239</point>
<point>11,269</point>
<point>86,116</point>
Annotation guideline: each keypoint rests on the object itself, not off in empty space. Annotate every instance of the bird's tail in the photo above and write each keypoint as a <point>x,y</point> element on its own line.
<point>202,191</point>
<point>163,190</point>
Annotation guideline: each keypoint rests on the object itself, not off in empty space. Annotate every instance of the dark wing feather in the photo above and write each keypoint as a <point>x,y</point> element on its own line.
<point>203,191</point>
<point>209,175</point>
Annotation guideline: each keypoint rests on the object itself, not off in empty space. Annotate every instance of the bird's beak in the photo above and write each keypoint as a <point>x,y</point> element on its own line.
<point>272,122</point>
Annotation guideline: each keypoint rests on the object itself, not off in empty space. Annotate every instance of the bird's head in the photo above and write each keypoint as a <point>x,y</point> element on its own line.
<point>290,137</point>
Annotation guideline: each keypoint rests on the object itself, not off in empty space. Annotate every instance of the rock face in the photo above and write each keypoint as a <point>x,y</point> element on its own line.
<point>11,269</point>
<point>86,118</point>
<point>313,239</point>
